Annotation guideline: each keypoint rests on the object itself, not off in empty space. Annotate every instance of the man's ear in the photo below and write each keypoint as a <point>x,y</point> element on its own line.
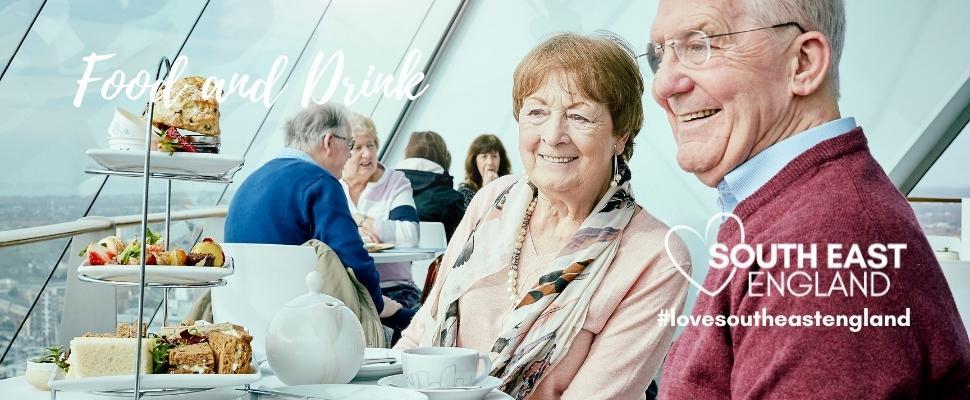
<point>811,67</point>
<point>327,142</point>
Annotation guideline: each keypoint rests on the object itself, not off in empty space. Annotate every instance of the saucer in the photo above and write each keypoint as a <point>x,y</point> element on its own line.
<point>379,370</point>
<point>488,390</point>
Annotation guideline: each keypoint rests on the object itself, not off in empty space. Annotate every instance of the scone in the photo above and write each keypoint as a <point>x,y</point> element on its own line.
<point>191,110</point>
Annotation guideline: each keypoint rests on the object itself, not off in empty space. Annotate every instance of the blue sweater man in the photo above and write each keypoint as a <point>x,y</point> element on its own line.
<point>292,199</point>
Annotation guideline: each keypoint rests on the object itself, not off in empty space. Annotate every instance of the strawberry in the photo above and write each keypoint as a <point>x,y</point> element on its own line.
<point>98,255</point>
<point>173,141</point>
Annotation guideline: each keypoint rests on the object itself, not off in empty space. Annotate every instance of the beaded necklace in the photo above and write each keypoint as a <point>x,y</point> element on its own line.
<point>513,274</point>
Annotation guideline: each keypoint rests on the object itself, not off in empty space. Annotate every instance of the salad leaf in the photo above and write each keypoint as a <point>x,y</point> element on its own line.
<point>160,356</point>
<point>55,355</point>
<point>151,237</point>
<point>133,250</point>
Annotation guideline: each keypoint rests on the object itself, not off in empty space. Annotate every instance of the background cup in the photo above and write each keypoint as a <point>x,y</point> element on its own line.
<point>443,367</point>
<point>127,125</point>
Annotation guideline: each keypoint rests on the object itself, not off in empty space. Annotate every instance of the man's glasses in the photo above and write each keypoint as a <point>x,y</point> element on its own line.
<point>693,48</point>
<point>350,142</point>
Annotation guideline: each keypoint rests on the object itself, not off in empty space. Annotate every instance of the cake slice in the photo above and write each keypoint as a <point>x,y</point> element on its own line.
<point>128,330</point>
<point>105,356</point>
<point>191,359</point>
<point>233,351</point>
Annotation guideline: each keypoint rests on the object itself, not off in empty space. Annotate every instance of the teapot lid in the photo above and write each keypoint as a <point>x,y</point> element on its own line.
<point>314,284</point>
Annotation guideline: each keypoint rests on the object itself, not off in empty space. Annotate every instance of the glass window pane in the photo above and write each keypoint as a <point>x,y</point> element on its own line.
<point>15,17</point>
<point>367,33</point>
<point>44,135</point>
<point>948,177</point>
<point>25,268</point>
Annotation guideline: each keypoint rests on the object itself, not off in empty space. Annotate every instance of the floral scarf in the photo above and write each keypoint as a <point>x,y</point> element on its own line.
<point>539,330</point>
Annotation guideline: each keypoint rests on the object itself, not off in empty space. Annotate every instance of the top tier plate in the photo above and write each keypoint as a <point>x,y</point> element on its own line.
<point>199,164</point>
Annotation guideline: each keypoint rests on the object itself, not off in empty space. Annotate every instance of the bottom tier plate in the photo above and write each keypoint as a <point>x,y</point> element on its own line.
<point>151,382</point>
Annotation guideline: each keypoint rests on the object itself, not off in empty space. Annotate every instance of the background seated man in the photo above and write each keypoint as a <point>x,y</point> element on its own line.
<point>296,197</point>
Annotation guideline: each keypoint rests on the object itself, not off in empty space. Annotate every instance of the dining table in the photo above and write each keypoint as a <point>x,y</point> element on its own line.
<point>19,388</point>
<point>405,254</point>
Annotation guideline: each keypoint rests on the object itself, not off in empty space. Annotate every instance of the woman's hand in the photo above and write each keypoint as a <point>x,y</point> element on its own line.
<point>364,221</point>
<point>368,235</point>
<point>488,176</point>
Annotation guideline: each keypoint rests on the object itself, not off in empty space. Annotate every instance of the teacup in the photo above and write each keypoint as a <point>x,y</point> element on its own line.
<point>443,367</point>
<point>127,125</point>
<point>38,374</point>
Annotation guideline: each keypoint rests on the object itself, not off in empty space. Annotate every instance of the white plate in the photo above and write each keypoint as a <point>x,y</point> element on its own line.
<point>162,274</point>
<point>377,371</point>
<point>488,390</point>
<point>214,165</point>
<point>152,381</point>
<point>353,392</point>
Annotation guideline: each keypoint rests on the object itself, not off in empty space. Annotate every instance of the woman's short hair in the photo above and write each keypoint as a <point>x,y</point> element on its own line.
<point>485,144</point>
<point>429,146</point>
<point>306,130</point>
<point>603,68</point>
<point>363,125</point>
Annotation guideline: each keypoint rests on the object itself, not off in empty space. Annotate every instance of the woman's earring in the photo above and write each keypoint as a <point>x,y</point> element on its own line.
<point>616,170</point>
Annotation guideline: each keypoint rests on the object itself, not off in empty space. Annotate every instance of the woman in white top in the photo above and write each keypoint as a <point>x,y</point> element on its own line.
<point>382,204</point>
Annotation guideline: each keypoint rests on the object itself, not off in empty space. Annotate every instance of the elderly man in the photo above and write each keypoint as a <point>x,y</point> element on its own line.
<point>297,196</point>
<point>750,89</point>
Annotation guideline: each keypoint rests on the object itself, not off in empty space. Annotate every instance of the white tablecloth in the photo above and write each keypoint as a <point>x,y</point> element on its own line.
<point>405,255</point>
<point>18,388</point>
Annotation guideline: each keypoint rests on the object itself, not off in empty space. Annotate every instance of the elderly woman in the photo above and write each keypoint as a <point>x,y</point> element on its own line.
<point>382,205</point>
<point>426,163</point>
<point>560,275</point>
<point>486,161</point>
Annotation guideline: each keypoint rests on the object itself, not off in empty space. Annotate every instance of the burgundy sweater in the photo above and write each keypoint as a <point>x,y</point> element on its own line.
<point>833,193</point>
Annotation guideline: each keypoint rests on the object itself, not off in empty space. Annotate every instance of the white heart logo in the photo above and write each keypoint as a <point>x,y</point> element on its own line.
<point>706,239</point>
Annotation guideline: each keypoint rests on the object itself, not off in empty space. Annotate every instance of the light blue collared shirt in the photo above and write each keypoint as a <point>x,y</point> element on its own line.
<point>751,175</point>
<point>289,152</point>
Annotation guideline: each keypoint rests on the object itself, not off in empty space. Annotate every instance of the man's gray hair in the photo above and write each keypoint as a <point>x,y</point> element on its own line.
<point>826,16</point>
<point>307,129</point>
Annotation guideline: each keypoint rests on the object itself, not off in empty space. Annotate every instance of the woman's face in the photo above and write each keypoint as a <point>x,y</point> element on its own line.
<point>363,157</point>
<point>487,162</point>
<point>566,139</point>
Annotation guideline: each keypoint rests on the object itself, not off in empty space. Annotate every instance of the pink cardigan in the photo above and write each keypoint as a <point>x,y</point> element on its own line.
<point>621,345</point>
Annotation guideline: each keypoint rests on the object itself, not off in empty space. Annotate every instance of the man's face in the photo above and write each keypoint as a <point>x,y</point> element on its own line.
<point>341,151</point>
<point>720,111</point>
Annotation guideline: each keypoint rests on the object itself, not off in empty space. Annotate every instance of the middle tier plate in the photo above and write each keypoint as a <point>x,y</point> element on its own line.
<point>158,274</point>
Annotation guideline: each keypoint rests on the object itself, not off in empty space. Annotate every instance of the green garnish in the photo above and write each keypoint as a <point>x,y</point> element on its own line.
<point>160,356</point>
<point>55,355</point>
<point>133,250</point>
<point>151,237</point>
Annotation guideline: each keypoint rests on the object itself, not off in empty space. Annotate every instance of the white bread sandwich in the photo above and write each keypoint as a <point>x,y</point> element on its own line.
<point>106,356</point>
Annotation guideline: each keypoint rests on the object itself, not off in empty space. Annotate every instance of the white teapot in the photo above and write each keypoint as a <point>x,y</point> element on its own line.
<point>315,339</point>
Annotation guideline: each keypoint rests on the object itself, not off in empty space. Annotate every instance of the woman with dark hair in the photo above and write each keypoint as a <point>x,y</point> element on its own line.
<point>486,161</point>
<point>426,165</point>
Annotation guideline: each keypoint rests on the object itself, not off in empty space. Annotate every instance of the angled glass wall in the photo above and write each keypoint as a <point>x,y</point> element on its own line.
<point>46,135</point>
